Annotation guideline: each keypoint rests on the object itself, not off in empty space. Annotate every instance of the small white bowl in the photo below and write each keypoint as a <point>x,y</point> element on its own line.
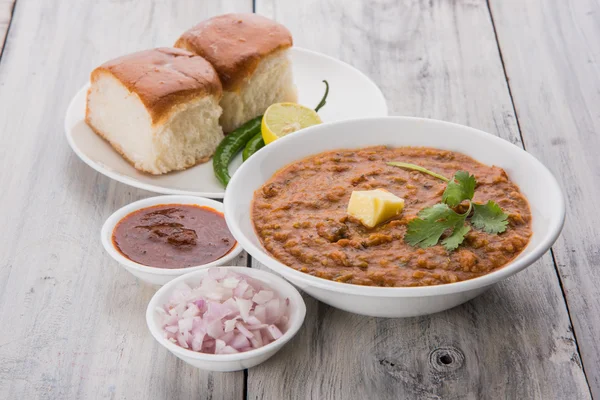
<point>535,181</point>
<point>229,362</point>
<point>153,275</point>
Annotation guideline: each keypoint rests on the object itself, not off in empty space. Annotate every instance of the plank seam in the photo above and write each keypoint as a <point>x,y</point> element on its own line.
<point>12,14</point>
<point>512,101</point>
<point>560,283</point>
<point>554,262</point>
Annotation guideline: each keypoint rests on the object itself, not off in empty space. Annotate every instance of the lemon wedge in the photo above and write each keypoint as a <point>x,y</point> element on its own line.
<point>281,119</point>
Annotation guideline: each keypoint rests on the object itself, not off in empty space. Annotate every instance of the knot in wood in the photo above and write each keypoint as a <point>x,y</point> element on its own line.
<point>446,359</point>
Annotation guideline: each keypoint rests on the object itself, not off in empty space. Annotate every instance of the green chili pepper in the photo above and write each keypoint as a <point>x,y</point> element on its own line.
<point>231,146</point>
<point>323,102</point>
<point>255,144</point>
<point>247,137</point>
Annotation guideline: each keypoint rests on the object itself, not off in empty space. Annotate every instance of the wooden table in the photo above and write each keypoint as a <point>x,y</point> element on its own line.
<point>72,320</point>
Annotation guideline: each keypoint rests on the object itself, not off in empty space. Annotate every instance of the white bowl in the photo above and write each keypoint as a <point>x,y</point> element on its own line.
<point>153,275</point>
<point>229,362</point>
<point>535,181</point>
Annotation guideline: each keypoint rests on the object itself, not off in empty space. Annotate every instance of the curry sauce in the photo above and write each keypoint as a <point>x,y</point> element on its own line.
<point>300,218</point>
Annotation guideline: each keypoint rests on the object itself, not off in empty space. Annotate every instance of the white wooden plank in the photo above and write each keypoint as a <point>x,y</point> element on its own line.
<point>552,56</point>
<point>73,323</point>
<point>6,8</point>
<point>434,59</point>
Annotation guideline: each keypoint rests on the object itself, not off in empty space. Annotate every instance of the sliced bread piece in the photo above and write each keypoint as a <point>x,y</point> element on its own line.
<point>158,108</point>
<point>250,54</point>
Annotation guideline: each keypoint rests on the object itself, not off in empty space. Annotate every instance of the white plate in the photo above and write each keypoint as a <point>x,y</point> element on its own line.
<point>351,95</point>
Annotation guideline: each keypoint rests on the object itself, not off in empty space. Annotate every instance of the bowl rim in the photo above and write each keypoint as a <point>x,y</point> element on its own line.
<point>259,253</point>
<point>115,217</point>
<point>295,325</point>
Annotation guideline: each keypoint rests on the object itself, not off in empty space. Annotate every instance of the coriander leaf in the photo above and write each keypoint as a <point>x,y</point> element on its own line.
<point>432,222</point>
<point>461,187</point>
<point>415,167</point>
<point>456,238</point>
<point>489,217</point>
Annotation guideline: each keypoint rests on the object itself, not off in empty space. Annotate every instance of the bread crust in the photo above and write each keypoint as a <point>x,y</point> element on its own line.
<point>235,43</point>
<point>163,78</point>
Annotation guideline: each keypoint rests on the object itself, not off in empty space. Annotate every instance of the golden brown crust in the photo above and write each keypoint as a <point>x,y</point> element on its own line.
<point>163,78</point>
<point>119,150</point>
<point>235,43</point>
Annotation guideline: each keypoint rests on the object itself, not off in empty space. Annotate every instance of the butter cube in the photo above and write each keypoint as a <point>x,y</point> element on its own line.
<point>372,207</point>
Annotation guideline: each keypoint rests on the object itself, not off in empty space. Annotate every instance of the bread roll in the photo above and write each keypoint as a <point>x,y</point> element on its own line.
<point>250,54</point>
<point>158,108</point>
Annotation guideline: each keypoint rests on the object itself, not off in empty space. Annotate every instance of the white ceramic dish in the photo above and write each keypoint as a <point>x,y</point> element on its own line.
<point>229,362</point>
<point>158,276</point>
<point>536,182</point>
<point>352,95</point>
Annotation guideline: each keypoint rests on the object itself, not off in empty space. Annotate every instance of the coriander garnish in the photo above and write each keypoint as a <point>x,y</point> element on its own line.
<point>432,222</point>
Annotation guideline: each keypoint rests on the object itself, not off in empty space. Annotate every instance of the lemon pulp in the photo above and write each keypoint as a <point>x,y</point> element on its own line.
<point>281,119</point>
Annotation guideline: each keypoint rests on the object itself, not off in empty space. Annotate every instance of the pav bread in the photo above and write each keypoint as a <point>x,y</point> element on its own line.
<point>158,108</point>
<point>250,54</point>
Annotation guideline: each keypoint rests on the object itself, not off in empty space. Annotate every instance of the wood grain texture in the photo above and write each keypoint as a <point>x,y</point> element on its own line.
<point>6,9</point>
<point>434,59</point>
<point>73,321</point>
<point>551,51</point>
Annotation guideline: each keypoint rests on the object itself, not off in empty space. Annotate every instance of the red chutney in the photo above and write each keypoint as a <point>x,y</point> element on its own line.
<point>173,236</point>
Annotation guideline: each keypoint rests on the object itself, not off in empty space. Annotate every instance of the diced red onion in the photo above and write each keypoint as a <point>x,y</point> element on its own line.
<point>226,313</point>
<point>256,339</point>
<point>230,324</point>
<point>244,305</point>
<point>260,312</point>
<point>191,311</point>
<point>273,311</point>
<point>215,329</point>
<point>230,283</point>
<point>240,288</point>
<point>274,331</point>
<point>243,330</point>
<point>181,341</point>
<point>199,303</point>
<point>239,341</point>
<point>263,296</point>
<point>172,328</point>
<point>228,337</point>
<point>185,325</point>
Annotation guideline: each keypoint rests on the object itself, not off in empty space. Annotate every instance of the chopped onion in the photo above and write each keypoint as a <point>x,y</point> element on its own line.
<point>186,324</point>
<point>226,313</point>
<point>263,296</point>
<point>215,329</point>
<point>274,331</point>
<point>191,311</point>
<point>244,306</point>
<point>243,330</point>
<point>230,324</point>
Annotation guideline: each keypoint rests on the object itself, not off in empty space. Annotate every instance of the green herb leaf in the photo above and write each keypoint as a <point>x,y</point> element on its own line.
<point>461,187</point>
<point>489,217</point>
<point>456,238</point>
<point>432,222</point>
<point>415,167</point>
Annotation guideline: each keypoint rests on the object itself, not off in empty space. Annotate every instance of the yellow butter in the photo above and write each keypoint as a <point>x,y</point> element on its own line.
<point>372,207</point>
